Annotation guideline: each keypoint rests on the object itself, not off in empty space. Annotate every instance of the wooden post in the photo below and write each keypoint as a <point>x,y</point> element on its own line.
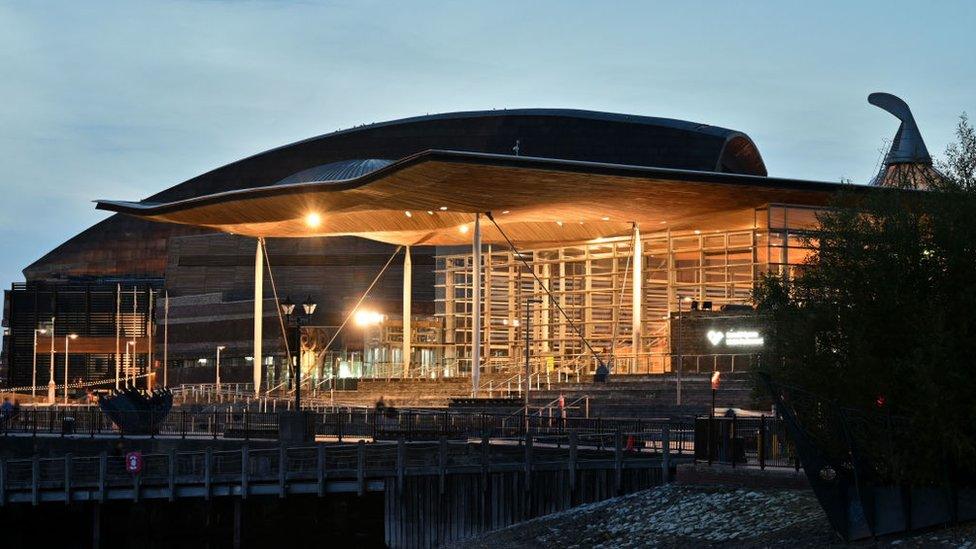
<point>618,461</point>
<point>207,464</point>
<point>171,477</point>
<point>665,453</point>
<point>3,481</point>
<point>96,525</point>
<point>237,523</point>
<point>485,461</point>
<point>361,467</point>
<point>245,472</point>
<point>136,481</point>
<point>442,463</point>
<point>35,479</point>
<point>102,476</point>
<point>282,471</point>
<point>67,478</point>
<point>401,463</point>
<point>572,460</point>
<point>320,455</point>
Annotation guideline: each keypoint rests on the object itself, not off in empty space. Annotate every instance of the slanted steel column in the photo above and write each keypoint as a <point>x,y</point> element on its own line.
<point>638,277</point>
<point>258,314</point>
<point>407,307</point>
<point>476,306</point>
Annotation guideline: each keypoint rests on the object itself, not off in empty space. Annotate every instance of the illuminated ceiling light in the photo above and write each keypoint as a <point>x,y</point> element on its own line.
<point>560,223</point>
<point>581,222</point>
<point>407,213</point>
<point>463,229</point>
<point>313,219</point>
<point>430,212</point>
<point>664,223</point>
<point>506,212</point>
<point>443,208</point>
<point>697,231</point>
<point>368,318</point>
<point>605,218</point>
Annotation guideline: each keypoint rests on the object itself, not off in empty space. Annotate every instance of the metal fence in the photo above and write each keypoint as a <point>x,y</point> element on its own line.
<point>638,435</point>
<point>744,441</point>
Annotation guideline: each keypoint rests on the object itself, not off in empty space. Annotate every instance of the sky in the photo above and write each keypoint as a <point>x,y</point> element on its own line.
<point>123,99</point>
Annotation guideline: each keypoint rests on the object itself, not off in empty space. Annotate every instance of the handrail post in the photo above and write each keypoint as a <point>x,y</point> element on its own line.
<point>361,467</point>
<point>665,453</point>
<point>761,442</point>
<point>67,478</point>
<point>171,476</point>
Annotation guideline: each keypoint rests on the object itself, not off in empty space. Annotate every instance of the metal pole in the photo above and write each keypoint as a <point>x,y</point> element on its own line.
<point>65,368</point>
<point>680,357</point>
<point>166,340</point>
<point>50,384</point>
<point>34,371</point>
<point>258,363</point>
<point>407,307</point>
<point>637,299</point>
<point>298,363</point>
<point>118,334</point>
<point>219,347</point>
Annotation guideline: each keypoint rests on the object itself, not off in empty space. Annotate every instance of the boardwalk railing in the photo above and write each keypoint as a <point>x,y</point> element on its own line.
<point>351,423</point>
<point>307,470</point>
<point>753,441</point>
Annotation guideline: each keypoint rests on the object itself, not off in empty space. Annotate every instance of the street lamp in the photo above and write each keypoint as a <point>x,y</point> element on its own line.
<point>67,338</point>
<point>34,368</point>
<point>219,348</point>
<point>297,321</point>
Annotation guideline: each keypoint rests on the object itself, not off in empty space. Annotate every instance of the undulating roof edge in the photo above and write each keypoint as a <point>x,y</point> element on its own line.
<point>153,208</point>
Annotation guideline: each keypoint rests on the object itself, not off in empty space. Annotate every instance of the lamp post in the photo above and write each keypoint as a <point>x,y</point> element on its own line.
<point>51,385</point>
<point>67,338</point>
<point>34,367</point>
<point>219,348</point>
<point>297,321</point>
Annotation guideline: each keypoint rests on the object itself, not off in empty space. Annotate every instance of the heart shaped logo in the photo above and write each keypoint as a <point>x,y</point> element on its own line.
<point>715,337</point>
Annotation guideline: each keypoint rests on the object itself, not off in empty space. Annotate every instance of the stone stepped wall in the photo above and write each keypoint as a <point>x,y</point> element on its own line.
<point>624,396</point>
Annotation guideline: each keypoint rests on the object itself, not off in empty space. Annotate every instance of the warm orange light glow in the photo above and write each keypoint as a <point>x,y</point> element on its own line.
<point>313,219</point>
<point>367,318</point>
<point>463,229</point>
<point>407,213</point>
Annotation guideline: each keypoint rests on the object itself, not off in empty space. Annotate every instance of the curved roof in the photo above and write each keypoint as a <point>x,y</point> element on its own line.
<point>565,134</point>
<point>336,171</point>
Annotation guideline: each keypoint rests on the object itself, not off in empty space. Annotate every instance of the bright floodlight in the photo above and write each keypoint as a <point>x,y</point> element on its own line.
<point>313,219</point>
<point>367,318</point>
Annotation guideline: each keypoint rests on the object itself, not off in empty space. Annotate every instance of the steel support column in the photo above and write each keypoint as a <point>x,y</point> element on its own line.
<point>407,307</point>
<point>258,362</point>
<point>476,306</point>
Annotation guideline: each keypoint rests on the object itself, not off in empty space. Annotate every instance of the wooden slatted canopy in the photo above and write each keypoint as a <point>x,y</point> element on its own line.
<point>431,198</point>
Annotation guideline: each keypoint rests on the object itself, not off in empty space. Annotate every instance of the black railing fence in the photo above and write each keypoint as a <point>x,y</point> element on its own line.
<point>635,435</point>
<point>748,441</point>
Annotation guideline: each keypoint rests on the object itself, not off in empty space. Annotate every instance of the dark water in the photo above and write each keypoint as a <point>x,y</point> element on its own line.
<point>339,520</point>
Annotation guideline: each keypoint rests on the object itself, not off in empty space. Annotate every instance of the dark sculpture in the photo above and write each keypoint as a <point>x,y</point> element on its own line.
<point>135,411</point>
<point>851,459</point>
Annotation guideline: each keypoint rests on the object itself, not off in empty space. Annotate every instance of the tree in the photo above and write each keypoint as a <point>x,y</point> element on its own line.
<point>882,317</point>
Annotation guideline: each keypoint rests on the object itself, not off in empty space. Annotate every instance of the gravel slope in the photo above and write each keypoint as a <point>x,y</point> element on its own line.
<point>675,516</point>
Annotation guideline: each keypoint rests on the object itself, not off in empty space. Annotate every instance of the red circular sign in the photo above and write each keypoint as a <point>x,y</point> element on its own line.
<point>133,462</point>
